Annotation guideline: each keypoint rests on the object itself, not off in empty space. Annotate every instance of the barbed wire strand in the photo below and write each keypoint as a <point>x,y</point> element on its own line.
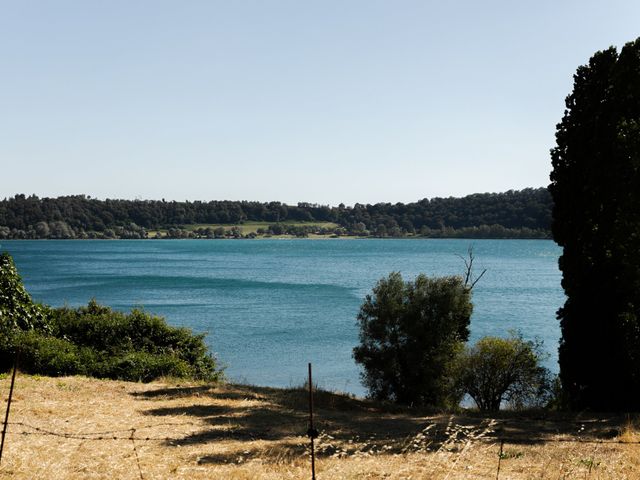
<point>102,435</point>
<point>118,435</point>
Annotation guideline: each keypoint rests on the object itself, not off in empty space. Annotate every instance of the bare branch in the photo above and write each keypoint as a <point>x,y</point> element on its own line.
<point>476,280</point>
<point>469,281</point>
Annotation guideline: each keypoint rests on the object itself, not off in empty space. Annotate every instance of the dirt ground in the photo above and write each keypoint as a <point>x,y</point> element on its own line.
<point>75,427</point>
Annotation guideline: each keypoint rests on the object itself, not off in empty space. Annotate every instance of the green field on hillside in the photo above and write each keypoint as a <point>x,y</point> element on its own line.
<point>252,227</point>
<point>247,227</point>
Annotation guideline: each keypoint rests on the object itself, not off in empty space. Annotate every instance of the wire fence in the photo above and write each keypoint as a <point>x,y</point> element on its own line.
<point>134,436</point>
<point>121,434</point>
<point>490,430</point>
<point>125,434</point>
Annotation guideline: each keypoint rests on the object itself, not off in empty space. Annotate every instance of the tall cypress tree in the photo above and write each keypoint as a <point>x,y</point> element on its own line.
<point>595,186</point>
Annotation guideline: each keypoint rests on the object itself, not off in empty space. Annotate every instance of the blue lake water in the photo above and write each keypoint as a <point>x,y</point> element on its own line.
<point>270,306</point>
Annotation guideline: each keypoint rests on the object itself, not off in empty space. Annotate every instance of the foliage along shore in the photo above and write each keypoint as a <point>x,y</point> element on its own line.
<point>94,340</point>
<point>513,214</point>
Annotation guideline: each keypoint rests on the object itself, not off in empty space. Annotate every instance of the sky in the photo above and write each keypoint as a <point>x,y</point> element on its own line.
<point>295,101</point>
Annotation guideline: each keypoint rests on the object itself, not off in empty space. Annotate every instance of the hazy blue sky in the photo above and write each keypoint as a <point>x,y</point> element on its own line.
<point>318,101</point>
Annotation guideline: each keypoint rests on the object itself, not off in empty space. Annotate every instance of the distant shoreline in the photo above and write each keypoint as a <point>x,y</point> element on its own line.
<point>289,237</point>
<point>513,214</point>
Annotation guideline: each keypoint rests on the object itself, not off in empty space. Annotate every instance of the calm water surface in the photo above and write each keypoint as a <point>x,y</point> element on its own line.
<point>270,306</point>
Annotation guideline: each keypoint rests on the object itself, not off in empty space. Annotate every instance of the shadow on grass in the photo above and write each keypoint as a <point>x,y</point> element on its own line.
<point>280,416</point>
<point>558,427</point>
<point>173,392</point>
<point>262,413</point>
<point>282,453</point>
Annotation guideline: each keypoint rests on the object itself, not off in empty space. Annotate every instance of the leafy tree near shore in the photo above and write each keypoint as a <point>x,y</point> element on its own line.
<point>595,185</point>
<point>410,332</point>
<point>498,370</point>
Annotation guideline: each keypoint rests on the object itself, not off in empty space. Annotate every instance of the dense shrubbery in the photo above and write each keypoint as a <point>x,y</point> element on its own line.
<point>47,355</point>
<point>94,340</point>
<point>412,348</point>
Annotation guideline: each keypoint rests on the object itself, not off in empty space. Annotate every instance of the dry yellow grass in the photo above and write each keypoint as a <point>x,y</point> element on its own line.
<point>72,428</point>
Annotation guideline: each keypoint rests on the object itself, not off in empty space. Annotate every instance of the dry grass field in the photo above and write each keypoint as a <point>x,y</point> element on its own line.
<point>74,427</point>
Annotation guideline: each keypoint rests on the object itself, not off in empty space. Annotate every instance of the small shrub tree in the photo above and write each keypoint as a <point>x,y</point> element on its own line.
<point>497,370</point>
<point>410,332</point>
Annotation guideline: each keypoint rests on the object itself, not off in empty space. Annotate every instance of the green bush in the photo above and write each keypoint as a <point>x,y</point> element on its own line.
<point>112,332</point>
<point>504,370</point>
<point>46,355</point>
<point>99,342</point>
<point>132,346</point>
<point>144,367</point>
<point>94,340</point>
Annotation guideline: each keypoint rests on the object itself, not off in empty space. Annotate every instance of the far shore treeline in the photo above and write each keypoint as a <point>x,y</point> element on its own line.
<point>514,214</point>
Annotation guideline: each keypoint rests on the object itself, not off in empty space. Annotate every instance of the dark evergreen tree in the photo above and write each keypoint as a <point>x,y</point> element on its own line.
<point>595,185</point>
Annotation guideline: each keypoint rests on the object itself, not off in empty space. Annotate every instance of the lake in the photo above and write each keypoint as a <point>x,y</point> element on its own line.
<point>270,306</point>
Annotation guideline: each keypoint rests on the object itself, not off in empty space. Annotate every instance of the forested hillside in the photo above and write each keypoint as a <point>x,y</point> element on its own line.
<point>524,213</point>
